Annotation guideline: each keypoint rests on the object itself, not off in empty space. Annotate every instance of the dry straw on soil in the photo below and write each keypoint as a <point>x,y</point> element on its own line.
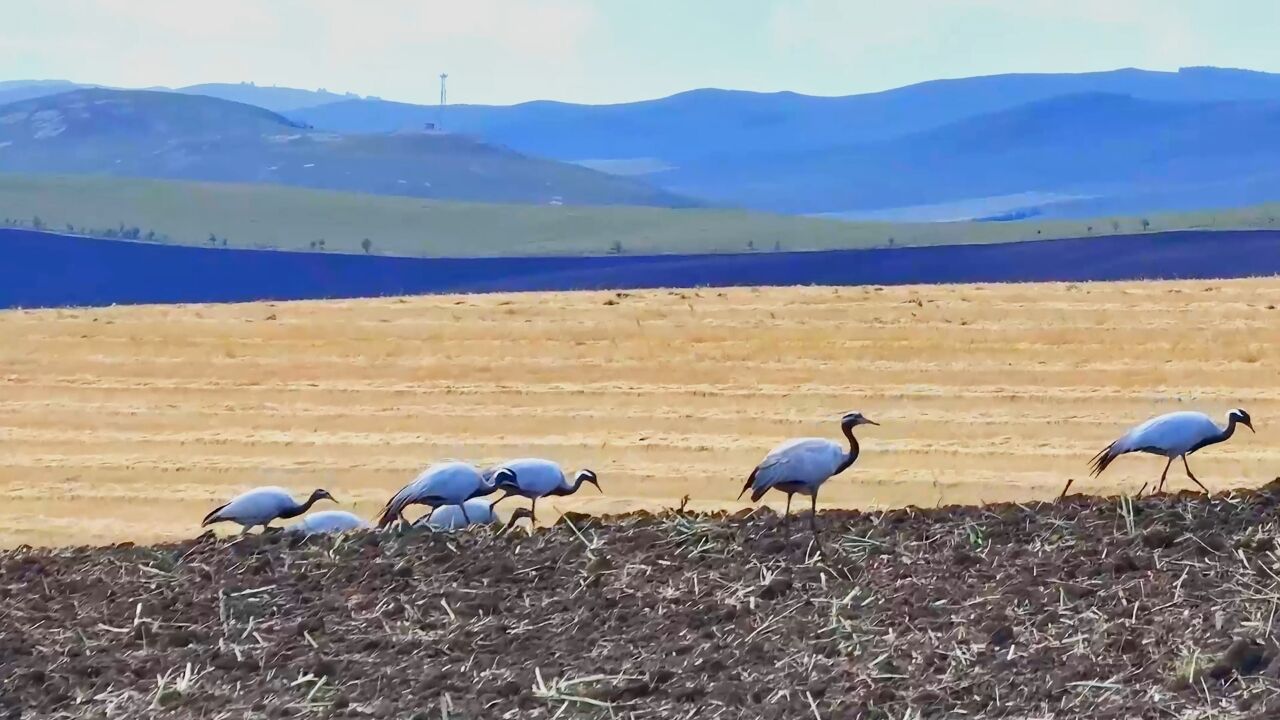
<point>131,423</point>
<point>1162,607</point>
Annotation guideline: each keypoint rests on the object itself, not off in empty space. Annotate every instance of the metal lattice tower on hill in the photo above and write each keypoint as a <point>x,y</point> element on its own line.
<point>440,114</point>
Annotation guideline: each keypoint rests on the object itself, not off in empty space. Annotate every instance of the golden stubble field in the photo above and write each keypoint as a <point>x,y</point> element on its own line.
<point>130,423</point>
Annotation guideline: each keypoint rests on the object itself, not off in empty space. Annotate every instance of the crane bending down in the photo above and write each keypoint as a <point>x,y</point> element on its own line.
<point>328,521</point>
<point>801,466</point>
<point>1173,435</point>
<point>479,512</point>
<point>447,483</point>
<point>534,478</point>
<point>262,505</point>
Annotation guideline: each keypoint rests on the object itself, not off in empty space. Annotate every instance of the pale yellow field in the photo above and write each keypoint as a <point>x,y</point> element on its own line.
<point>130,423</point>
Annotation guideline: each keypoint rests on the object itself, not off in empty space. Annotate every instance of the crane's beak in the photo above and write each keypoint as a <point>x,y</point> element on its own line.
<point>869,421</point>
<point>1250,426</point>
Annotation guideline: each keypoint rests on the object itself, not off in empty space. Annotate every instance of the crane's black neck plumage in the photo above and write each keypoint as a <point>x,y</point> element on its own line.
<point>297,510</point>
<point>853,449</point>
<point>570,489</point>
<point>1221,436</point>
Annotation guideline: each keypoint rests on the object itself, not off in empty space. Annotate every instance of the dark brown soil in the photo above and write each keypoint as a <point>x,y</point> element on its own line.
<point>1098,608</point>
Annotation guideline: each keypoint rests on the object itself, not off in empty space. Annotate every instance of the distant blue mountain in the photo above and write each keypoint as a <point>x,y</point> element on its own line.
<point>1094,144</point>
<point>17,90</point>
<point>1125,138</point>
<point>702,123</point>
<point>271,97</point>
<point>1123,142</point>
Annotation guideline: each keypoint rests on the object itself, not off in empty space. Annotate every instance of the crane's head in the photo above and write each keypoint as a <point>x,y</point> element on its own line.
<point>1242,417</point>
<point>585,475</point>
<point>517,516</point>
<point>503,477</point>
<point>321,494</point>
<point>854,419</point>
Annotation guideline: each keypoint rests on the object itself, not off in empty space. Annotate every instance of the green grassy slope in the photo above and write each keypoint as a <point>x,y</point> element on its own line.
<point>267,216</point>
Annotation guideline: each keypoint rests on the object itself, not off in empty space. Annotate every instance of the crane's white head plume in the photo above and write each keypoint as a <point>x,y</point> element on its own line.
<point>1241,417</point>
<point>501,477</point>
<point>591,477</point>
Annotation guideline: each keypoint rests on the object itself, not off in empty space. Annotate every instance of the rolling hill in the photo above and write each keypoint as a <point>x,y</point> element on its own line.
<point>17,90</point>
<point>1094,139</point>
<point>284,218</point>
<point>1090,145</point>
<point>168,135</point>
<point>270,97</point>
<point>710,122</point>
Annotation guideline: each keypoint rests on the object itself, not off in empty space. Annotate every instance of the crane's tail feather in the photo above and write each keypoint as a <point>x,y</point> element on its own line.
<point>390,512</point>
<point>1103,459</point>
<point>747,486</point>
<point>212,517</point>
<point>759,493</point>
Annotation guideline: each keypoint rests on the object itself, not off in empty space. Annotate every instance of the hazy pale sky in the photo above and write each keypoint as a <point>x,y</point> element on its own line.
<point>597,51</point>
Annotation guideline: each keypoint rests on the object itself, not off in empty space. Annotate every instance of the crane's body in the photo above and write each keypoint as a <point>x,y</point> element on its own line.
<point>329,521</point>
<point>1172,435</point>
<point>262,505</point>
<point>446,483</point>
<point>479,511</point>
<point>801,466</point>
<point>535,478</point>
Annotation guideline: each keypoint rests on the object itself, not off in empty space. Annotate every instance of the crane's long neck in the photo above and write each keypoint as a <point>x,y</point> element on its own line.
<point>570,489</point>
<point>853,451</point>
<point>487,487</point>
<point>297,510</point>
<point>1229,430</point>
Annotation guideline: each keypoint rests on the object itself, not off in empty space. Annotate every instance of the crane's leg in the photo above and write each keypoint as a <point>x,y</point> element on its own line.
<point>813,519</point>
<point>533,510</point>
<point>1066,488</point>
<point>786,521</point>
<point>1193,477</point>
<point>1163,475</point>
<point>465,516</point>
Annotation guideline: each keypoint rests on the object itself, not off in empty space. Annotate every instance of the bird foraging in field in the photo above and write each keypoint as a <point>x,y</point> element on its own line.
<point>446,483</point>
<point>329,521</point>
<point>1172,435</point>
<point>262,505</point>
<point>802,465</point>
<point>479,512</point>
<point>534,478</point>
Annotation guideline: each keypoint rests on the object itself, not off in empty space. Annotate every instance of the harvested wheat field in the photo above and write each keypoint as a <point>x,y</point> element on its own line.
<point>129,423</point>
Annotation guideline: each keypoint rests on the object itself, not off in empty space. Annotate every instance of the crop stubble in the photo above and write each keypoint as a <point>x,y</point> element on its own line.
<point>131,422</point>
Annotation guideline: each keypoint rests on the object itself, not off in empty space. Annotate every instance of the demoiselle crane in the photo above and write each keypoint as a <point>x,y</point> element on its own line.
<point>1172,435</point>
<point>262,505</point>
<point>446,483</point>
<point>329,521</point>
<point>479,512</point>
<point>534,478</point>
<point>802,465</point>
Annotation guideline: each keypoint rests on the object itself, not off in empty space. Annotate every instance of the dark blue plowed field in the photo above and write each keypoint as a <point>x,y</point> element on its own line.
<point>49,270</point>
